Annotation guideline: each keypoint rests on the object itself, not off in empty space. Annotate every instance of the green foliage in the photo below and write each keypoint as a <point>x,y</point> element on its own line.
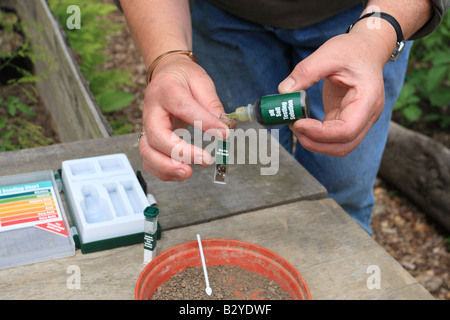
<point>90,42</point>
<point>17,133</point>
<point>120,127</point>
<point>13,104</point>
<point>115,100</point>
<point>426,92</point>
<point>408,101</point>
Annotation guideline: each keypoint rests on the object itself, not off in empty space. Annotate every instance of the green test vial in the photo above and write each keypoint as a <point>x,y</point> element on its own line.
<point>150,233</point>
<point>276,109</point>
<point>222,154</point>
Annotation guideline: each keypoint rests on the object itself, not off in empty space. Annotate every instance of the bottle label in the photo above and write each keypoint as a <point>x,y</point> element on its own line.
<point>282,108</point>
<point>150,241</point>
<point>222,151</point>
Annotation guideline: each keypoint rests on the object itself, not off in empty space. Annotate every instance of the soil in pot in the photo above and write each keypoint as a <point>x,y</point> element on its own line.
<point>227,283</point>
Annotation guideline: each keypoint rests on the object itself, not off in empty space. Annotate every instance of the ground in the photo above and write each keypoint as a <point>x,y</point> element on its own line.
<point>414,240</point>
<point>406,232</point>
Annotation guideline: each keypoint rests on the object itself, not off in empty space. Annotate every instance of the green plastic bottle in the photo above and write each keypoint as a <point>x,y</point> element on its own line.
<point>276,109</point>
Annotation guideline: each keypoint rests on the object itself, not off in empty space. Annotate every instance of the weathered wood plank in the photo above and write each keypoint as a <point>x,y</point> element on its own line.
<point>189,202</point>
<point>64,90</point>
<point>328,248</point>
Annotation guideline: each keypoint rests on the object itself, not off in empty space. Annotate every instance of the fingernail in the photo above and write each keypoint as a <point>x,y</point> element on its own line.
<point>180,173</point>
<point>287,84</point>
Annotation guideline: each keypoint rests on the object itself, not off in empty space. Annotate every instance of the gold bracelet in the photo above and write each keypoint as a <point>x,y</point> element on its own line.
<point>169,53</point>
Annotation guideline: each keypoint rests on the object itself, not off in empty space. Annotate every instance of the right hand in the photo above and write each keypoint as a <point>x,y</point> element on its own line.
<point>180,92</point>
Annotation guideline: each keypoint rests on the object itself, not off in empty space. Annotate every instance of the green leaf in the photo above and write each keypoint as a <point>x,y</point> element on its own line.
<point>25,109</point>
<point>432,117</point>
<point>120,126</point>
<point>13,99</point>
<point>7,135</point>
<point>441,58</point>
<point>445,122</point>
<point>435,77</point>
<point>407,96</point>
<point>413,99</point>
<point>115,100</point>
<point>11,109</point>
<point>412,112</point>
<point>440,97</point>
<point>408,89</point>
<point>3,122</point>
<point>397,105</point>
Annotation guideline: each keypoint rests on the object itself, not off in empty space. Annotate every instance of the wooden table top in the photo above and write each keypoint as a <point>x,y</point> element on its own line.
<point>287,213</point>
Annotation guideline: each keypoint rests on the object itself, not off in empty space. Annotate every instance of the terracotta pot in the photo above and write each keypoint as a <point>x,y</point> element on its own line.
<point>221,252</point>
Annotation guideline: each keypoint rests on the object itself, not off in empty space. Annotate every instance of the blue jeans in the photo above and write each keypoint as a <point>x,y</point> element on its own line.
<point>248,60</point>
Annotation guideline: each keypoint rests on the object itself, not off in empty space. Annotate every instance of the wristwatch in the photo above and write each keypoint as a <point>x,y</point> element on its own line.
<point>400,44</point>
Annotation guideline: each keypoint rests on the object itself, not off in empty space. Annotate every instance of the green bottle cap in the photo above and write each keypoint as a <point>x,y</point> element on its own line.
<point>151,212</point>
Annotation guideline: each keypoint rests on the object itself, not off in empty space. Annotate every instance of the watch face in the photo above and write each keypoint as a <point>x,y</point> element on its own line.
<point>399,46</point>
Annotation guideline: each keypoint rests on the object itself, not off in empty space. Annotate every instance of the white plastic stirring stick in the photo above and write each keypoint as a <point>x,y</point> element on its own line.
<point>208,288</point>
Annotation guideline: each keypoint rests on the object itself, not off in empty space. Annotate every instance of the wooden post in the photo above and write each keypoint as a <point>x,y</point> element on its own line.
<point>420,168</point>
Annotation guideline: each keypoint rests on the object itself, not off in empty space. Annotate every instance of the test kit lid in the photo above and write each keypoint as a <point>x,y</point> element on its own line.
<point>151,212</point>
<point>33,224</point>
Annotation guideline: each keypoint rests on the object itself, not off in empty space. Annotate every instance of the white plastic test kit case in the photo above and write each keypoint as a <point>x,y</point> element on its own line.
<point>104,199</point>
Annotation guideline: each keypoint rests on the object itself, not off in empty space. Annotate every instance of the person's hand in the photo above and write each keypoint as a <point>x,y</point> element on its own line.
<point>353,90</point>
<point>180,93</point>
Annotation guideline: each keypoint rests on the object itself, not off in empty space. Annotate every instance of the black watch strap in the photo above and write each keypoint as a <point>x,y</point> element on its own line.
<point>394,23</point>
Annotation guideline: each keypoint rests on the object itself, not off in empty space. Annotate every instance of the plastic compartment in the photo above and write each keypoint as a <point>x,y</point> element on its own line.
<point>94,207</point>
<point>221,252</point>
<point>105,197</point>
